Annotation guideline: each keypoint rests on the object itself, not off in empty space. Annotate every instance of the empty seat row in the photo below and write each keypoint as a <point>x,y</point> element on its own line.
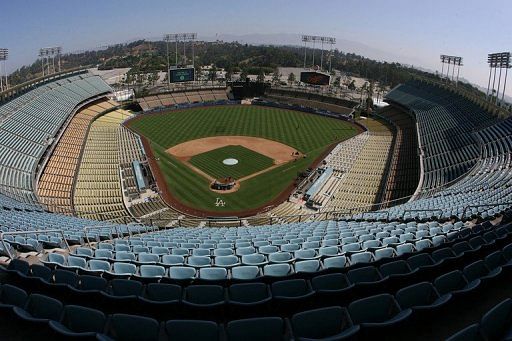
<point>496,324</point>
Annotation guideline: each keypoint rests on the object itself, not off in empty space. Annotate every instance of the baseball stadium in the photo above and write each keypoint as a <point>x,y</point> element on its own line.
<point>287,199</point>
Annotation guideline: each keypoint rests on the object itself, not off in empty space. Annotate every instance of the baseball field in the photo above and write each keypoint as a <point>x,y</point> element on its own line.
<point>271,147</point>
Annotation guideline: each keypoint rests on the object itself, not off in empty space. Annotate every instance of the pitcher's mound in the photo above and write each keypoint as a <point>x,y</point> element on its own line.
<point>230,162</point>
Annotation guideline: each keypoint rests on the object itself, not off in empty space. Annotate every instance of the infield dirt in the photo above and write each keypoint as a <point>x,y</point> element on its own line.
<point>277,151</point>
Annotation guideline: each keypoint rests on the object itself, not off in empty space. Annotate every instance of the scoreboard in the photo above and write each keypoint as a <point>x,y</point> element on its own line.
<point>315,78</point>
<point>181,75</point>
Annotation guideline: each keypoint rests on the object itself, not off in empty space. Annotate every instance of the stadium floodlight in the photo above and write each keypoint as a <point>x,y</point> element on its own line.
<point>176,38</point>
<point>451,60</point>
<point>496,61</point>
<point>457,62</point>
<point>180,36</point>
<point>49,53</point>
<point>4,53</point>
<point>314,39</point>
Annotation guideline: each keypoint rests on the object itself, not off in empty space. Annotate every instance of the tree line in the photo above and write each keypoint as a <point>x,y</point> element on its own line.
<point>149,57</point>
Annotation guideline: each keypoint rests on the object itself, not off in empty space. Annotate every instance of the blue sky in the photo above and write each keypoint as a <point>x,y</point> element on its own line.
<point>413,31</point>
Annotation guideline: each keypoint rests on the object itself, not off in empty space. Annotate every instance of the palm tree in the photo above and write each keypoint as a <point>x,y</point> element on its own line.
<point>276,76</point>
<point>261,77</point>
<point>291,78</point>
<point>352,85</point>
<point>363,90</point>
<point>243,76</point>
<point>228,75</point>
<point>212,75</point>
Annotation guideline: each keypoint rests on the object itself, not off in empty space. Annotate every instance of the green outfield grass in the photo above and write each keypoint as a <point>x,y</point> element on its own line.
<point>249,162</point>
<point>310,134</point>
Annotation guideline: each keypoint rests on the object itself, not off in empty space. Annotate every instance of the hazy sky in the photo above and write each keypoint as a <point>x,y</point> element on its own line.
<point>415,31</point>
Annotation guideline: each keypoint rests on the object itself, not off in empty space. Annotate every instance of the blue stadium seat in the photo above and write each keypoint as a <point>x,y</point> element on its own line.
<point>76,263</point>
<point>65,277</point>
<point>39,309</point>
<point>198,261</point>
<point>147,258</point>
<point>385,252</point>
<point>496,324</point>
<point>103,254</point>
<point>79,323</point>
<point>92,283</point>
<point>96,266</point>
<point>421,297</point>
<point>290,295</point>
<point>399,274</point>
<point>248,299</point>
<point>263,328</point>
<point>213,274</point>
<point>121,270</point>
<point>377,314</point>
<point>55,260</point>
<point>281,257</point>
<point>333,287</point>
<point>131,328</point>
<point>361,257</point>
<point>172,260</point>
<point>184,330</point>
<point>367,280</point>
<point>150,273</point>
<point>161,300</point>
<point>255,259</point>
<point>479,271</point>
<point>470,333</point>
<point>182,273</point>
<point>277,270</point>
<point>204,301</point>
<point>337,262</point>
<point>84,252</point>
<point>245,273</point>
<point>456,284</point>
<point>222,252</point>
<point>307,266</point>
<point>11,296</point>
<point>226,261</point>
<point>331,323</point>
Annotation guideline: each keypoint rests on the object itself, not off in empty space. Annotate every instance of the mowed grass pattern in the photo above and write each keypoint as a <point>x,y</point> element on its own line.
<point>249,162</point>
<point>305,132</point>
<point>310,134</point>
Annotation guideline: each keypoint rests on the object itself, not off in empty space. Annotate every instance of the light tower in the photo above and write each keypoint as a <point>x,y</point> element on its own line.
<point>497,61</point>
<point>4,85</point>
<point>451,60</point>
<point>176,38</point>
<point>48,55</point>
<point>323,40</point>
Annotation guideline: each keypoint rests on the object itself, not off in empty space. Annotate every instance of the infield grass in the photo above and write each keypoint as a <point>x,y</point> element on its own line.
<point>249,162</point>
<point>310,134</point>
